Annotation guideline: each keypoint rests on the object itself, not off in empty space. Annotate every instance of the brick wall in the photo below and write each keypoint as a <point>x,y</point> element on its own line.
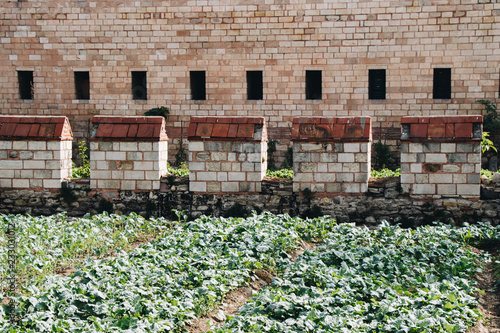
<point>331,155</point>
<point>128,153</point>
<point>441,156</point>
<point>35,152</point>
<point>343,39</point>
<point>227,154</point>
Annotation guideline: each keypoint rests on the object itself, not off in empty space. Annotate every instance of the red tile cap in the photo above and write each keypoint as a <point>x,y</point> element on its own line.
<point>118,128</point>
<point>331,129</point>
<point>228,128</point>
<point>35,128</point>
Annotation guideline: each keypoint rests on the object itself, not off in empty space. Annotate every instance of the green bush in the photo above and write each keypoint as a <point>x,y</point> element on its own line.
<point>385,173</point>
<point>182,170</point>
<point>282,173</point>
<point>83,171</point>
<point>382,155</point>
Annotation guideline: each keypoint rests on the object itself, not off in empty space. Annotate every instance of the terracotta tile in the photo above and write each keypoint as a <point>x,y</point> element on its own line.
<point>418,131</point>
<point>134,120</point>
<point>450,130</point>
<point>353,131</point>
<point>204,130</point>
<point>34,130</point>
<point>220,130</point>
<point>58,130</point>
<point>132,130</point>
<point>314,120</point>
<point>338,131</point>
<point>46,130</point>
<point>437,120</point>
<point>198,119</point>
<point>104,130</point>
<point>436,130</point>
<point>245,131</point>
<point>8,129</point>
<point>423,120</point>
<point>367,132</point>
<point>256,120</point>
<point>295,120</point>
<point>145,131</point>
<point>408,120</point>
<point>295,129</point>
<point>473,119</point>
<point>58,120</point>
<point>463,130</point>
<point>119,131</point>
<point>154,120</point>
<point>324,120</point>
<point>22,129</point>
<point>192,129</point>
<point>240,120</point>
<point>26,120</point>
<point>233,131</point>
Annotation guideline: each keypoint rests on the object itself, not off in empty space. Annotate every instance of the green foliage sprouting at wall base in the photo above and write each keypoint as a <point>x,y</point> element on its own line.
<point>83,171</point>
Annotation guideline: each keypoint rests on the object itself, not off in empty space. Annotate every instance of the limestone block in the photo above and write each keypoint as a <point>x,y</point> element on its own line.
<point>324,177</point>
<point>230,187</point>
<point>436,158</point>
<point>345,177</point>
<point>474,158</point>
<point>333,188</point>
<point>408,158</point>
<point>303,177</point>
<point>139,165</point>
<point>25,155</point>
<point>451,168</point>
<point>5,183</point>
<point>308,167</point>
<point>254,176</point>
<point>416,168</point>
<point>247,187</point>
<point>219,156</point>
<point>248,167</point>
<point>463,147</point>
<point>117,174</point>
<point>116,155</point>
<point>351,188</point>
<point>446,189</point>
<point>457,158</point>
<point>301,157</point>
<point>148,146</point>
<point>346,157</point>
<point>474,179</point>
<point>222,176</point>
<point>421,179</point>
<point>207,176</point>
<point>334,167</point>
<point>351,167</point>
<point>131,175</point>
<point>42,174</point>
<point>424,189</point>
<point>213,166</point>
<point>100,174</point>
<point>407,178</point>
<point>128,185</point>
<point>306,147</point>
<point>137,156</point>
<point>317,188</point>
<point>214,187</point>
<point>328,157</point>
<point>31,164</point>
<point>196,146</point>
<point>37,145</point>
<point>196,166</point>
<point>468,190</point>
<point>468,168</point>
<point>51,183</point>
<point>352,148</point>
<point>144,185</point>
<point>440,178</point>
<point>129,146</point>
<point>20,183</point>
<point>152,175</point>
<point>236,176</point>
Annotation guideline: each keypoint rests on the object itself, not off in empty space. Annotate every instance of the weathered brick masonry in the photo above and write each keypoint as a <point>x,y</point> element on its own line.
<point>331,156</point>
<point>227,154</point>
<point>344,39</point>
<point>441,156</point>
<point>128,153</point>
<point>35,152</point>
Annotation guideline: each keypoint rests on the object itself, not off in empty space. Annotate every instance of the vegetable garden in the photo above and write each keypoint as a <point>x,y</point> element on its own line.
<point>356,280</point>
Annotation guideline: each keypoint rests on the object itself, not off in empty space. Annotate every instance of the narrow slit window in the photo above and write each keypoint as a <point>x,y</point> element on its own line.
<point>198,85</point>
<point>442,83</point>
<point>25,79</point>
<point>82,85</point>
<point>254,85</point>
<point>139,86</point>
<point>376,84</point>
<point>313,85</point>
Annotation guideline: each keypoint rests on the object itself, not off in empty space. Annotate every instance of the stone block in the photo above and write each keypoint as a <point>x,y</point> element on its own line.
<point>352,148</point>
<point>214,187</point>
<point>436,158</point>
<point>248,167</point>
<point>468,168</point>
<point>140,165</point>
<point>346,157</point>
<point>218,156</point>
<point>432,147</point>
<point>144,185</point>
<point>407,178</point>
<point>254,157</point>
<point>43,155</point>
<point>197,186</point>
<point>460,178</point>
<point>441,178</point>
<point>5,183</point>
<point>212,146</point>
<point>7,145</point>
<point>365,147</point>
<point>148,146</point>
<point>421,179</point>
<point>51,183</point>
<point>424,189</point>
<point>117,174</point>
<point>301,157</point>
<point>236,167</point>
<point>128,185</point>
<point>206,176</point>
<point>23,155</point>
<point>334,167</point>
<point>230,187</point>
<point>446,189</point>
<point>251,148</point>
<point>361,157</point>
<point>37,145</point>
<point>213,166</point>
<point>129,146</point>
<point>107,146</point>
<point>97,156</point>
<point>464,147</point>
<point>333,188</point>
<point>404,147</point>
<point>226,166</point>
<point>345,177</point>
<point>222,176</point>
<point>416,168</point>
<point>324,177</point>
<point>20,183</point>
<point>361,177</point>
<point>36,183</point>
<point>236,176</point>
<point>351,167</point>
<point>457,158</point>
<point>351,188</point>
<point>451,168</point>
<point>116,155</point>
<point>100,174</point>
<point>474,158</point>
<point>132,175</point>
<point>254,176</point>
<point>104,165</point>
<point>322,167</point>
<point>247,187</point>
<point>474,179</point>
<point>42,174</point>
<point>137,156</point>
<point>469,190</point>
<point>317,188</point>
<point>152,175</point>
<point>231,157</point>
<point>308,167</point>
<point>327,157</point>
<point>306,147</point>
<point>28,174</point>
<point>303,177</point>
<point>408,158</point>
<point>416,148</point>
<point>196,166</point>
<point>31,164</point>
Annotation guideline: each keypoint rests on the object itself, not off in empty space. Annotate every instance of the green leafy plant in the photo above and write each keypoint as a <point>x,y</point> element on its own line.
<point>271,149</point>
<point>162,111</point>
<point>288,162</point>
<point>181,171</point>
<point>385,173</point>
<point>487,144</point>
<point>382,155</point>
<point>487,173</point>
<point>83,171</point>
<point>282,173</point>
<point>491,120</point>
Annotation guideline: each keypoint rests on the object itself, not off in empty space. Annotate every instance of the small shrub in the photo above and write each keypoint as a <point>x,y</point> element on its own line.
<point>162,111</point>
<point>181,171</point>
<point>382,155</point>
<point>180,157</point>
<point>491,120</point>
<point>282,173</point>
<point>487,144</point>
<point>385,173</point>
<point>83,171</point>
<point>271,149</point>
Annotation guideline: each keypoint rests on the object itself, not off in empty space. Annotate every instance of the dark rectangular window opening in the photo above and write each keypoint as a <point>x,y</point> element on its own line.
<point>82,85</point>
<point>254,85</point>
<point>442,83</point>
<point>376,84</point>
<point>313,85</point>
<point>139,86</point>
<point>25,79</point>
<point>198,85</point>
